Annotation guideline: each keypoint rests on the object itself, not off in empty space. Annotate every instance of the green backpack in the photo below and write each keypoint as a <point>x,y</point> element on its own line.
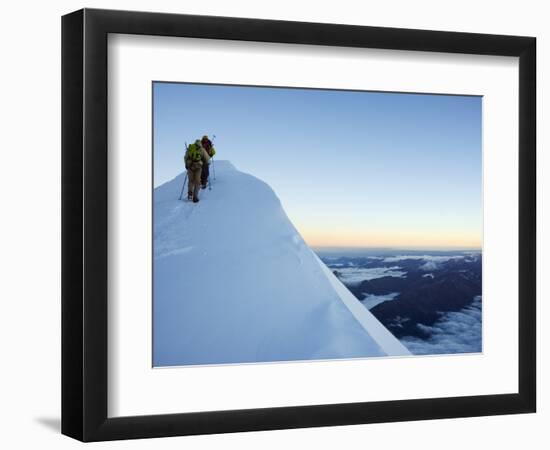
<point>193,154</point>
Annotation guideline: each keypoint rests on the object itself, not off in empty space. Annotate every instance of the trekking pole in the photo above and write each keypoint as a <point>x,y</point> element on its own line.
<point>185,179</point>
<point>213,167</point>
<point>183,187</point>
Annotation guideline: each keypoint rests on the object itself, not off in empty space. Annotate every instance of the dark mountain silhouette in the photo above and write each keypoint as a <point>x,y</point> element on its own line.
<point>427,291</point>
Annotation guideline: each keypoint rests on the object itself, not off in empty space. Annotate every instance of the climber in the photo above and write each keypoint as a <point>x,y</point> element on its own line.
<point>211,151</point>
<point>195,157</point>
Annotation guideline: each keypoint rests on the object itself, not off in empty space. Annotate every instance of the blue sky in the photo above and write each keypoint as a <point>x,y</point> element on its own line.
<point>351,168</point>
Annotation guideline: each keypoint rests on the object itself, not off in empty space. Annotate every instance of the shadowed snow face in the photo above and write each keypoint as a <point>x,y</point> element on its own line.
<point>454,332</point>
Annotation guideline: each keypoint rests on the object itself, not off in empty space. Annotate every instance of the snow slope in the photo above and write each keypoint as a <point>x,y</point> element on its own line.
<point>234,282</point>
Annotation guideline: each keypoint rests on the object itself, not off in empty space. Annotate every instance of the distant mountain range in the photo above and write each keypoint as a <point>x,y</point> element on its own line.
<point>415,294</point>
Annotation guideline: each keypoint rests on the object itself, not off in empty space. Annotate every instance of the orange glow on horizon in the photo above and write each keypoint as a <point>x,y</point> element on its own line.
<point>392,239</point>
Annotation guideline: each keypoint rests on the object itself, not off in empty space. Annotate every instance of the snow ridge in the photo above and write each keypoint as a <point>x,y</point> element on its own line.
<point>234,282</point>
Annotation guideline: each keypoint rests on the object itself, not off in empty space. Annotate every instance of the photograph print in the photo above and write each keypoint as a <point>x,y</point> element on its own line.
<point>302,224</point>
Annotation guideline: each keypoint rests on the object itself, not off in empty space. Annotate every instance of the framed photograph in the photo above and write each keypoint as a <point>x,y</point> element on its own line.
<point>272,224</point>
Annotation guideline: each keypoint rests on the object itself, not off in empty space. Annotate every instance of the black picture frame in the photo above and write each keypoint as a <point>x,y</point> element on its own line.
<point>84,224</point>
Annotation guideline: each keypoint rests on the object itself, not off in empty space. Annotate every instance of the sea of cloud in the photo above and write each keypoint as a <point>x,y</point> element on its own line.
<point>355,275</point>
<point>431,262</point>
<point>453,332</point>
<point>434,258</point>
